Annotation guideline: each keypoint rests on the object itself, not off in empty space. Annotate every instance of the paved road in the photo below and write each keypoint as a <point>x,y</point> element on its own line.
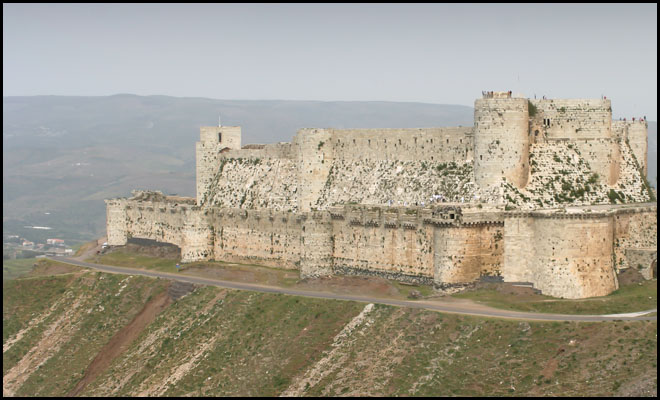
<point>447,307</point>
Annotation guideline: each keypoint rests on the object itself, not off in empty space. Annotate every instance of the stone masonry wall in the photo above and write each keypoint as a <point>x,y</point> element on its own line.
<point>381,182</point>
<point>635,133</point>
<point>563,256</point>
<point>638,140</point>
<point>116,222</point>
<point>575,118</point>
<point>291,205</point>
<point>562,174</point>
<point>294,175</point>
<point>410,144</point>
<point>643,260</point>
<point>501,141</point>
<point>383,241</point>
<point>264,237</point>
<point>213,139</point>
<point>255,183</point>
<point>633,230</point>
<point>466,253</point>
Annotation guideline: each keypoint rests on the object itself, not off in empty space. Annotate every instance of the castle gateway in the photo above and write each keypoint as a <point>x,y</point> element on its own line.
<point>551,192</point>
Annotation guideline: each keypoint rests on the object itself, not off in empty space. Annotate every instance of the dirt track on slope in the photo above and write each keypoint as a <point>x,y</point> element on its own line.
<point>122,339</point>
<point>455,306</point>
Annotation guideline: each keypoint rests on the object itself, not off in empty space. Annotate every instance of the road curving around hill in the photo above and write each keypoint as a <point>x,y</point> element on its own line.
<point>471,308</point>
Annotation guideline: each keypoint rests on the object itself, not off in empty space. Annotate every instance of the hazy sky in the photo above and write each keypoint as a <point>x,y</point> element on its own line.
<point>432,53</point>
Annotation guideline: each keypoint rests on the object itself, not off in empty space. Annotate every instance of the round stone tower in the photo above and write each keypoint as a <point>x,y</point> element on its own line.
<point>501,139</point>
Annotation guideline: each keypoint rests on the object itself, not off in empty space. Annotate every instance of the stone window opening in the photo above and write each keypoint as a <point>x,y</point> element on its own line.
<point>220,137</point>
<point>481,157</point>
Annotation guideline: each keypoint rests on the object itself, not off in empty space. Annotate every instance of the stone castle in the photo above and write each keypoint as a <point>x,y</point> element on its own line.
<point>548,192</point>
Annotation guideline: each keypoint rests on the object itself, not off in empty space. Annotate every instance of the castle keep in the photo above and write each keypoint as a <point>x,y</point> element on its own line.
<point>549,192</point>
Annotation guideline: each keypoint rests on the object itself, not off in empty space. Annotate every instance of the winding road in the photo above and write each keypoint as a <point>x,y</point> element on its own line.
<point>466,308</point>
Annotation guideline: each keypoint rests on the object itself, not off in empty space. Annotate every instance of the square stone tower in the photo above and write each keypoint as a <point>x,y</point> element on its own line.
<point>501,139</point>
<point>213,140</point>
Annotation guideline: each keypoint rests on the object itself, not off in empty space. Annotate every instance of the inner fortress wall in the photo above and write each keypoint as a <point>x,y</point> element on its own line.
<point>314,151</point>
<point>602,155</point>
<point>575,118</point>
<point>281,150</point>
<point>638,139</point>
<point>410,144</point>
<point>635,133</point>
<point>501,141</point>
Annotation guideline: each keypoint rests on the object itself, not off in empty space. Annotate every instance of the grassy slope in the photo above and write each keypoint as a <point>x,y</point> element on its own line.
<point>223,342</point>
<point>631,298</point>
<point>260,342</point>
<point>82,313</point>
<point>12,269</point>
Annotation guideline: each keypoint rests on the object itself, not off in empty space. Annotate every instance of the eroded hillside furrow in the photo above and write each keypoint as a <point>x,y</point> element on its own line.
<point>36,321</point>
<point>52,339</point>
<point>333,359</point>
<point>122,339</point>
<point>86,311</point>
<point>218,342</point>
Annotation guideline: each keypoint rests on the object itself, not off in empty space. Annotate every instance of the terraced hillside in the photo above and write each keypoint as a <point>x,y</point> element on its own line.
<point>63,335</point>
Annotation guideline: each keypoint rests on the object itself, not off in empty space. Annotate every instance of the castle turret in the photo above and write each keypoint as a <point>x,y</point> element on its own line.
<point>501,139</point>
<point>213,140</point>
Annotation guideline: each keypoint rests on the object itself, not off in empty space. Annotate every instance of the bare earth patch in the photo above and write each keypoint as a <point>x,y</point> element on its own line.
<point>122,339</point>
